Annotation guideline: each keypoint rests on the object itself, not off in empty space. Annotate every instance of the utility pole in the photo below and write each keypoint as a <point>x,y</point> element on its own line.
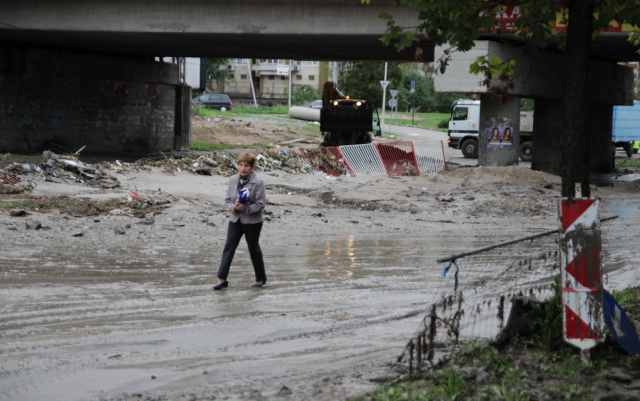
<point>253,91</point>
<point>289,83</point>
<point>384,92</point>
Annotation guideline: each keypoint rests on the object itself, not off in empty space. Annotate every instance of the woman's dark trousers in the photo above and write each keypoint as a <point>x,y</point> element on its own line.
<point>234,235</point>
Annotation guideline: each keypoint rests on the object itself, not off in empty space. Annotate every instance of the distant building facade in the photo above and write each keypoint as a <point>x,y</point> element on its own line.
<point>269,82</point>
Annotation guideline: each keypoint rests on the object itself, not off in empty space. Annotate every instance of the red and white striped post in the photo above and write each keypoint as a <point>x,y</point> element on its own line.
<point>580,245</point>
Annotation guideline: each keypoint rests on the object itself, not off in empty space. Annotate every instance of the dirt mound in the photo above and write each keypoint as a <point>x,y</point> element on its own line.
<point>512,174</point>
<point>245,131</point>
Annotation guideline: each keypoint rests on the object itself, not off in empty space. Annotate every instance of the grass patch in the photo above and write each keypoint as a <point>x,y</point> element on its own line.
<point>239,111</point>
<point>432,121</point>
<point>250,110</point>
<point>628,162</point>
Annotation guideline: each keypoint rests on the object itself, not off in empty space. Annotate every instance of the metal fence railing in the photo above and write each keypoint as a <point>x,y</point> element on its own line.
<point>380,159</point>
<point>476,293</point>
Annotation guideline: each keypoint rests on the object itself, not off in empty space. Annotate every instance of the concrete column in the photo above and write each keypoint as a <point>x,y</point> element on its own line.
<point>499,132</point>
<point>599,121</point>
<point>547,136</point>
<point>66,100</point>
<point>182,125</point>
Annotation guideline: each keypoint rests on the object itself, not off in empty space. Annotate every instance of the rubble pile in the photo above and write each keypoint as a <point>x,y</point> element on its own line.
<point>68,169</point>
<point>20,177</point>
<point>298,161</point>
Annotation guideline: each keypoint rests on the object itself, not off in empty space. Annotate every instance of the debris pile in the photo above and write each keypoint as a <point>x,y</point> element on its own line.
<point>19,177</point>
<point>68,169</point>
<point>298,161</point>
<point>140,205</point>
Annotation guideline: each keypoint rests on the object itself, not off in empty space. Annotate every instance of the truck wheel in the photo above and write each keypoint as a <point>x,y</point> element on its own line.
<point>327,139</point>
<point>363,138</point>
<point>470,149</point>
<point>525,151</point>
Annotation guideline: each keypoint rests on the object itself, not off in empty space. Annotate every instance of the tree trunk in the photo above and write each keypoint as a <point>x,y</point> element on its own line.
<point>575,146</point>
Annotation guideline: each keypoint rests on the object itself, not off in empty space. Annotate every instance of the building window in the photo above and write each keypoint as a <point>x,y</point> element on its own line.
<point>239,61</point>
<point>231,76</point>
<point>282,78</point>
<point>271,61</point>
<point>300,62</point>
<point>312,77</point>
<point>298,77</point>
<point>272,77</point>
<point>243,76</point>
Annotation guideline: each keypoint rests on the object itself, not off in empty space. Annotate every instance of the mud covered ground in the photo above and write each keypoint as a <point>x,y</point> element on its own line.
<point>103,298</point>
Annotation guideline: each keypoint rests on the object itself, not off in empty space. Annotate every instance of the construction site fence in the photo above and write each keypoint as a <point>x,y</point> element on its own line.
<point>476,291</point>
<point>382,159</point>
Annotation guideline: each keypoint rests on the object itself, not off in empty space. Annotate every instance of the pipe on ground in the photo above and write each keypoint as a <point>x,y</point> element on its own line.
<point>304,113</point>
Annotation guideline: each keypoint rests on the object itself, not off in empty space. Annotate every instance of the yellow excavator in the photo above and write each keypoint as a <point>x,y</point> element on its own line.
<point>345,121</point>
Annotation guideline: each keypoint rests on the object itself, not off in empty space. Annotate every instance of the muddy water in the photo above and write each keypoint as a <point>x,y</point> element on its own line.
<point>107,316</point>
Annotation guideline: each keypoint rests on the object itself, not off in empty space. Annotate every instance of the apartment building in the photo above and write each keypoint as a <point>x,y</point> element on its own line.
<point>270,82</point>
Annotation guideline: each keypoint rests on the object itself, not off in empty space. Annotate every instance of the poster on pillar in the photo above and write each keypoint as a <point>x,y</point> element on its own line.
<point>500,136</point>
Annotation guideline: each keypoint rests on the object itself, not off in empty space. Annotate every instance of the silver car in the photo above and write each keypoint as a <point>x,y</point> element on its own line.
<point>315,104</point>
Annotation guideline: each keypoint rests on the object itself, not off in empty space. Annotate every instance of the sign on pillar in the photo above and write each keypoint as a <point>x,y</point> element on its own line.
<point>580,245</point>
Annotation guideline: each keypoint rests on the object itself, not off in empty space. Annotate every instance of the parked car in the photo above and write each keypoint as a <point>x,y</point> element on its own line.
<point>218,101</point>
<point>315,104</point>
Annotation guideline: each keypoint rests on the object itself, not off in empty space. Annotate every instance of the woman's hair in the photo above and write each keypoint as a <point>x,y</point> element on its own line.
<point>248,158</point>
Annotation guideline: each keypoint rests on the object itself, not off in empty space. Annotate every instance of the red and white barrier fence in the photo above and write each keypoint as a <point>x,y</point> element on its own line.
<point>580,245</point>
<point>399,158</point>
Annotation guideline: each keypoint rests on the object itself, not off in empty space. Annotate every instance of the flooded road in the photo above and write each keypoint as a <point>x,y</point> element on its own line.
<point>121,317</point>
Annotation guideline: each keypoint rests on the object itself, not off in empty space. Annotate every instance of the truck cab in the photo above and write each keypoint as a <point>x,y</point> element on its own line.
<point>463,127</point>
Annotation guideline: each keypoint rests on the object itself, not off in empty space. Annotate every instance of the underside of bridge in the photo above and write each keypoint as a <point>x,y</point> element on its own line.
<point>82,72</point>
<point>325,47</point>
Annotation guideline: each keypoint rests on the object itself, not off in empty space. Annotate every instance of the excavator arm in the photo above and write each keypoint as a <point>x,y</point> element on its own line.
<point>329,94</point>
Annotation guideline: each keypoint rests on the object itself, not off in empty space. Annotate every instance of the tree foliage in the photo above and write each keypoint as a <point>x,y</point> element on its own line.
<point>215,72</point>
<point>456,24</point>
<point>363,81</point>
<point>303,93</point>
<point>426,98</point>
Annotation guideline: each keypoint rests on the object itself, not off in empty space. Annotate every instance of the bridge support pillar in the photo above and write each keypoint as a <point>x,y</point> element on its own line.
<point>65,100</point>
<point>599,122</point>
<point>547,136</point>
<point>499,134</point>
<point>182,127</point>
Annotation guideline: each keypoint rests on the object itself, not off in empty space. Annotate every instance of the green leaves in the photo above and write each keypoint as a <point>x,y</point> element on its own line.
<point>494,66</point>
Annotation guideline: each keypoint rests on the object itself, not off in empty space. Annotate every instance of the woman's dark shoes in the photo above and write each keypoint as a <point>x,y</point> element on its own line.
<point>220,286</point>
<point>260,284</point>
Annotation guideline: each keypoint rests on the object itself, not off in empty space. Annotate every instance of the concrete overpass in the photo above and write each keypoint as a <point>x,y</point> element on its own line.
<point>303,30</point>
<point>82,72</point>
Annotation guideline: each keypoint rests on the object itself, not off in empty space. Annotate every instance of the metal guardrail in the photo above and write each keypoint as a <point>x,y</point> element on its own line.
<point>453,258</point>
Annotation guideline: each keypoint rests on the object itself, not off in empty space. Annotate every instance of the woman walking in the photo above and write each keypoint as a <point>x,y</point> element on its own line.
<point>245,200</point>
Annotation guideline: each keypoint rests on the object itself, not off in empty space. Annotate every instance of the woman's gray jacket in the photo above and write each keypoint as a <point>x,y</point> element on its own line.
<point>257,196</point>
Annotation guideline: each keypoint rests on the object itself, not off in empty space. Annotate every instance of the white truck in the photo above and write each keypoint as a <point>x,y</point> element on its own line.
<point>464,125</point>
<point>625,128</point>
